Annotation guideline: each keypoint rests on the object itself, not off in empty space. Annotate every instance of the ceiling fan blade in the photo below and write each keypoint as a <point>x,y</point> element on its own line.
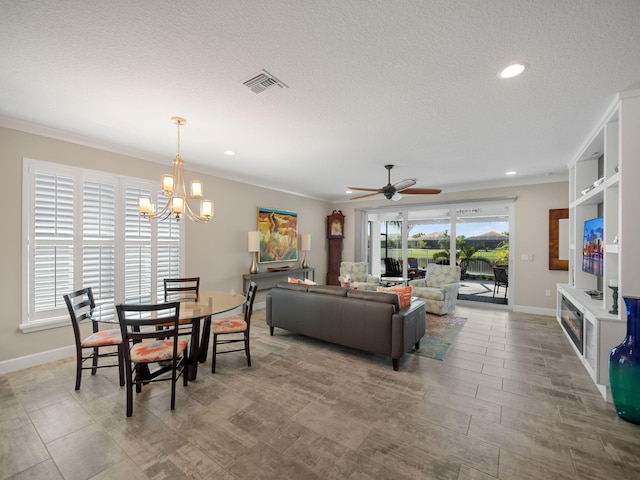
<point>365,189</point>
<point>421,191</point>
<point>404,184</point>
<point>364,196</point>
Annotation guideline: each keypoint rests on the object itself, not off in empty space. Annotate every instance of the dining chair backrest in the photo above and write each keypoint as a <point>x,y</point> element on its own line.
<point>80,304</point>
<point>247,308</point>
<point>181,289</point>
<point>137,321</point>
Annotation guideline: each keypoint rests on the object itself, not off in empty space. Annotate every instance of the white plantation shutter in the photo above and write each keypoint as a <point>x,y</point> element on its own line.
<point>168,257</point>
<point>98,239</point>
<point>83,229</point>
<point>53,229</point>
<point>137,267</point>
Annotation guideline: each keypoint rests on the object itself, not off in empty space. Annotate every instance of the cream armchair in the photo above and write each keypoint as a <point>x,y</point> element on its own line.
<point>357,272</point>
<point>439,289</point>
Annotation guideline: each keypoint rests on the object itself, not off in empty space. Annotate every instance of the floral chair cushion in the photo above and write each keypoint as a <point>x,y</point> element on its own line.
<point>103,338</point>
<point>228,325</point>
<point>156,350</point>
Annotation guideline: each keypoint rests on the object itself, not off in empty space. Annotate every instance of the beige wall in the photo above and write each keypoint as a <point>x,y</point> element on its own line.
<point>530,235</point>
<point>217,251</point>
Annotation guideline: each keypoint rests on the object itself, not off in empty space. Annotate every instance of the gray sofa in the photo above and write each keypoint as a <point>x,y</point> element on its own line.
<point>368,321</point>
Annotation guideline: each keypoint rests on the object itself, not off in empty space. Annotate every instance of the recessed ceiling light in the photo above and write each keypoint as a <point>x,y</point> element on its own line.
<point>511,172</point>
<point>512,70</point>
<point>231,153</point>
<point>348,192</point>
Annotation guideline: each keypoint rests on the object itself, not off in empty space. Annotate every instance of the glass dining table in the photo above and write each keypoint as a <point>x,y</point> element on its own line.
<point>191,313</point>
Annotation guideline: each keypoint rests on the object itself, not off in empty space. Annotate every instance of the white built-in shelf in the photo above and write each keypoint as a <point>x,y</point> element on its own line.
<point>613,180</point>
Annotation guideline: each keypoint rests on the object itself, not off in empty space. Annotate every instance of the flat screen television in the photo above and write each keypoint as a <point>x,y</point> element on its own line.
<point>593,246</point>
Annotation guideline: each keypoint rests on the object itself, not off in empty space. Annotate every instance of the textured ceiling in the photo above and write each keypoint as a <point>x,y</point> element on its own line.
<point>412,83</point>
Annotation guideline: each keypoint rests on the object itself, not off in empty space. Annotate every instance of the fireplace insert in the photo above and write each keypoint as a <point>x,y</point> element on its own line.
<point>573,323</point>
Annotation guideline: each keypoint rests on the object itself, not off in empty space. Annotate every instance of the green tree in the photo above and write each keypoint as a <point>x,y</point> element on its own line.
<point>502,253</point>
<point>464,252</point>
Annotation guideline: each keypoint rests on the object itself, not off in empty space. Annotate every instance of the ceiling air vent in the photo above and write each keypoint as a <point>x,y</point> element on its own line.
<point>263,83</point>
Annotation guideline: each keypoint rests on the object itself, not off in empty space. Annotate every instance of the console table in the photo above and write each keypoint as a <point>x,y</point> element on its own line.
<point>267,280</point>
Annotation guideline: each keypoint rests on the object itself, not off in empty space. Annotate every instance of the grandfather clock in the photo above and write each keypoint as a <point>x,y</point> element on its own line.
<point>335,234</point>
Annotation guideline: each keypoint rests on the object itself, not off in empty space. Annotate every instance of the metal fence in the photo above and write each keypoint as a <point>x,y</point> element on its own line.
<point>476,267</point>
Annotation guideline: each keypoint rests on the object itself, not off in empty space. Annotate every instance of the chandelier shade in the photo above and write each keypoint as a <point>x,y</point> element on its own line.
<point>173,187</point>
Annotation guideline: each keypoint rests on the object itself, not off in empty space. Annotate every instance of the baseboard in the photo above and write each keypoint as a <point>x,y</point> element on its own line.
<point>547,312</point>
<point>28,361</point>
<point>36,359</point>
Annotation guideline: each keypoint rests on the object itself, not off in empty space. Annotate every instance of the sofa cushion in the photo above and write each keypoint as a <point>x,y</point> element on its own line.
<point>375,297</point>
<point>328,290</point>
<point>404,294</point>
<point>293,286</point>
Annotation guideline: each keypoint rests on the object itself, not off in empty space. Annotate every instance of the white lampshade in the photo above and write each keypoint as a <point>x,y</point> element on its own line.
<point>305,240</point>
<point>206,208</point>
<point>178,205</point>
<point>144,205</point>
<point>167,183</point>
<point>196,188</point>
<point>253,240</point>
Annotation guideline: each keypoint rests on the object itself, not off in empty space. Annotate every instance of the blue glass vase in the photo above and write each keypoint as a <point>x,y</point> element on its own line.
<point>624,367</point>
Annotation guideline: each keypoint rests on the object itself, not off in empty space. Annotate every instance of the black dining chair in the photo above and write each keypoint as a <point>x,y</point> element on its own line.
<point>181,289</point>
<point>146,342</point>
<point>238,329</point>
<point>501,279</point>
<point>101,344</point>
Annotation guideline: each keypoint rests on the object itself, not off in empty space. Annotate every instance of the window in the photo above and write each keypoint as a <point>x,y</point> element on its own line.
<point>82,228</point>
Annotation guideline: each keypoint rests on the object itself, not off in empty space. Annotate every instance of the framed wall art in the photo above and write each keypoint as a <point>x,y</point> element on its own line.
<point>559,239</point>
<point>278,230</point>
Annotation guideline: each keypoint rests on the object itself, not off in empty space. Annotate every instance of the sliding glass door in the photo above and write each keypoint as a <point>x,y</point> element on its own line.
<point>472,235</point>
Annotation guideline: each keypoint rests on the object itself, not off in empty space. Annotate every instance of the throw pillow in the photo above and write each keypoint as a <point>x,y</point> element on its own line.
<point>308,282</point>
<point>404,294</point>
<point>294,280</point>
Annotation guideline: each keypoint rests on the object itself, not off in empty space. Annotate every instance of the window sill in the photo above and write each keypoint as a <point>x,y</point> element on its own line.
<point>44,325</point>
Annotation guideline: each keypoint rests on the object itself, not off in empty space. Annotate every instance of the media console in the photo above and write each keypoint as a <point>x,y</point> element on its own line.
<point>592,332</point>
<point>267,280</point>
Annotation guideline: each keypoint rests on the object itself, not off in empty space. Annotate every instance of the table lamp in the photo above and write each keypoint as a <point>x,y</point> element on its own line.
<point>253,240</point>
<point>305,241</point>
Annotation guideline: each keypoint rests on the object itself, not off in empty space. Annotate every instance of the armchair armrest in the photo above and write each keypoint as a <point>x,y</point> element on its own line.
<point>372,279</point>
<point>450,289</point>
<point>419,282</point>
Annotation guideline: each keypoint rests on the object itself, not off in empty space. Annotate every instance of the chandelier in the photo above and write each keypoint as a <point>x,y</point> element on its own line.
<point>173,188</point>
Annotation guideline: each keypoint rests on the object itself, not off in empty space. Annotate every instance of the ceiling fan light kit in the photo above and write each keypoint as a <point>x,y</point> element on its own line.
<point>393,192</point>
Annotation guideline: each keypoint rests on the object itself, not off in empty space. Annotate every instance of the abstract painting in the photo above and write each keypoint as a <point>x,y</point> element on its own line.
<point>278,235</point>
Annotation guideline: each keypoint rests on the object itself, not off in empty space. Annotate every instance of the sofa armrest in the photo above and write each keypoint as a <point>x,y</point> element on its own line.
<point>407,328</point>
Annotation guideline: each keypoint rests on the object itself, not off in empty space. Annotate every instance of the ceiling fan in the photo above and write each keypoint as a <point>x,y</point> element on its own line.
<point>392,192</point>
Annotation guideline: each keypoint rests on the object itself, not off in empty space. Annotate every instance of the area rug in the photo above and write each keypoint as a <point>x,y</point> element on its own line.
<point>440,334</point>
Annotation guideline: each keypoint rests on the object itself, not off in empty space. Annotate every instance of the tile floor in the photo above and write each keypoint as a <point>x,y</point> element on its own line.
<point>510,401</point>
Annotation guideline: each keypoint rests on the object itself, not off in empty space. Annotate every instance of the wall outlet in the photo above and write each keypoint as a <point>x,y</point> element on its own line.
<point>547,293</point>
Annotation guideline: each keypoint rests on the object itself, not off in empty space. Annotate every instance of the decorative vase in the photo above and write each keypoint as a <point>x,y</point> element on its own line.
<point>624,366</point>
